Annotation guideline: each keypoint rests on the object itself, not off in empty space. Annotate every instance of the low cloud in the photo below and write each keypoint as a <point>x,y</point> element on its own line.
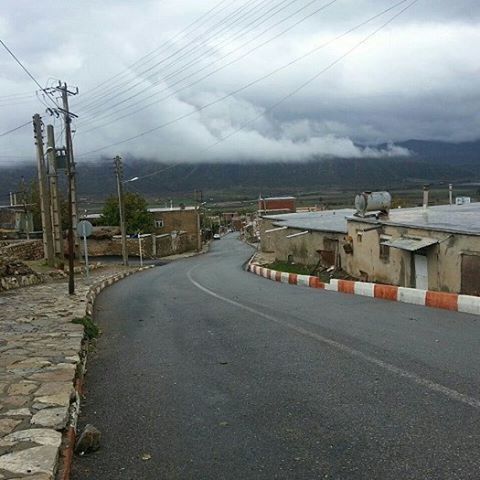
<point>418,78</point>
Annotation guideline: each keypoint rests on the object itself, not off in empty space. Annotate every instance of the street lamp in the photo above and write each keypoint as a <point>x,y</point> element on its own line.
<point>121,210</point>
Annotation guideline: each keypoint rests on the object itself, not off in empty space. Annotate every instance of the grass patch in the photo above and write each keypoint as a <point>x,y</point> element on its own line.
<point>291,268</point>
<point>91,330</point>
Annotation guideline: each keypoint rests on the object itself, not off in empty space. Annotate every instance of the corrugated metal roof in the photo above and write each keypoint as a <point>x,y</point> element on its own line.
<point>323,221</point>
<point>410,244</point>
<point>442,218</point>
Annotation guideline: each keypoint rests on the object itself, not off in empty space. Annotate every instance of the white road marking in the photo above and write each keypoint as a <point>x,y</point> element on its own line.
<point>433,386</point>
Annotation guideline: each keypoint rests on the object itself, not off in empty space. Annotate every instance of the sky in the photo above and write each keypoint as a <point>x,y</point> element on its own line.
<point>242,80</point>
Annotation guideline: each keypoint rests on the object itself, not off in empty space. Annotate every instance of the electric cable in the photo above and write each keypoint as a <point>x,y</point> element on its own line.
<point>291,94</point>
<point>15,129</point>
<point>224,25</point>
<point>195,41</point>
<point>239,47</point>
<point>166,43</point>
<point>175,92</point>
<point>26,70</point>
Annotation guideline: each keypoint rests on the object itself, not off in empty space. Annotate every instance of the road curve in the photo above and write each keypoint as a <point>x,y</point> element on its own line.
<point>204,371</point>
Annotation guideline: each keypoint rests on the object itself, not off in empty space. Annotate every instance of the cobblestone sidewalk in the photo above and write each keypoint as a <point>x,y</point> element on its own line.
<point>39,355</point>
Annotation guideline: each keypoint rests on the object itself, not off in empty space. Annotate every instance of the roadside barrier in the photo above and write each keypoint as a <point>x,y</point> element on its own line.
<point>447,301</point>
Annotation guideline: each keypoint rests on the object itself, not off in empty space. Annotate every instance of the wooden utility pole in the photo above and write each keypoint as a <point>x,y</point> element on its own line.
<point>199,204</point>
<point>70,157</point>
<point>117,161</point>
<point>44,193</point>
<point>72,199</point>
<point>55,200</point>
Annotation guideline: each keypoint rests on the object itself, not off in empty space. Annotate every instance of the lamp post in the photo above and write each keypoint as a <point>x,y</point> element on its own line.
<point>121,207</point>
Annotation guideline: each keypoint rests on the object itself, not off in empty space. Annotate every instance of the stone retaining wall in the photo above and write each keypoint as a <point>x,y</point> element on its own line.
<point>10,283</point>
<point>22,250</point>
<point>163,246</point>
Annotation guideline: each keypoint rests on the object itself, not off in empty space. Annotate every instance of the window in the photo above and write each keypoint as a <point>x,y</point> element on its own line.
<point>384,252</point>
<point>384,249</point>
<point>159,223</point>
<point>359,236</point>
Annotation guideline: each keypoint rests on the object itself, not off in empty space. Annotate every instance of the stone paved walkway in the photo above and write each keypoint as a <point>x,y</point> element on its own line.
<point>39,355</point>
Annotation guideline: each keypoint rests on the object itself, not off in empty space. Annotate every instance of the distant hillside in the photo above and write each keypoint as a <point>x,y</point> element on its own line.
<point>430,162</point>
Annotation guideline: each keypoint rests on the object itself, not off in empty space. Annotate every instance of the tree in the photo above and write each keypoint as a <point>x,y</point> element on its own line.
<point>32,199</point>
<point>137,216</point>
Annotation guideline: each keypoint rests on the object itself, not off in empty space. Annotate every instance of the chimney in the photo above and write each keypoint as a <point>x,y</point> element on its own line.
<point>425,196</point>
<point>450,194</point>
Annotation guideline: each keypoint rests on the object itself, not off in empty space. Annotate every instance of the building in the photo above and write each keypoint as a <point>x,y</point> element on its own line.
<point>433,248</point>
<point>308,238</point>
<point>179,221</point>
<point>233,220</point>
<point>276,205</point>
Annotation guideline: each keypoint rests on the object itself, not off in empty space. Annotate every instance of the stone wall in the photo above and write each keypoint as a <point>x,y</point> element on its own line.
<point>22,250</point>
<point>15,274</point>
<point>152,246</point>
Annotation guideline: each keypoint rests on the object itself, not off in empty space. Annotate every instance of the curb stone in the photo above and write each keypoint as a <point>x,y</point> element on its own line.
<point>428,298</point>
<point>42,363</point>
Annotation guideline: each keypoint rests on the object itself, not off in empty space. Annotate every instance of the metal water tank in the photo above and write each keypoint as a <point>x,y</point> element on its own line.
<point>373,201</point>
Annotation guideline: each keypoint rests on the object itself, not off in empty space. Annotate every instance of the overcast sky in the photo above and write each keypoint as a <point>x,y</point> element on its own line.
<point>417,78</point>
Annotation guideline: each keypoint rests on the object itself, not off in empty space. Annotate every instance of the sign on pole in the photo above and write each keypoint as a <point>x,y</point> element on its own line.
<point>85,229</point>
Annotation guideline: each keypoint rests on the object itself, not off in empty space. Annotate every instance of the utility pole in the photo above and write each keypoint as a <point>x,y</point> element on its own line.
<point>55,200</point>
<point>117,161</point>
<point>70,158</point>
<point>43,192</point>
<point>199,228</point>
<point>72,197</point>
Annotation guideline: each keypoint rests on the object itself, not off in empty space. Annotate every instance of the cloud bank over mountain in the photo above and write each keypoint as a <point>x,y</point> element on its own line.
<point>418,78</point>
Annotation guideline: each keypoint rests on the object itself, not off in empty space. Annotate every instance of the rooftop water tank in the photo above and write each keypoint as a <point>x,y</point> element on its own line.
<point>373,201</point>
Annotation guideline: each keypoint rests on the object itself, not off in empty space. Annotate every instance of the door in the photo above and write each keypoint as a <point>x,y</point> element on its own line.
<point>421,272</point>
<point>471,274</point>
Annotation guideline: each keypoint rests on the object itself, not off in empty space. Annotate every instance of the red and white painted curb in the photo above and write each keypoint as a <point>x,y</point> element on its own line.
<point>447,301</point>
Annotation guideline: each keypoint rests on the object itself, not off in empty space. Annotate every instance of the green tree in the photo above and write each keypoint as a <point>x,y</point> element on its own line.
<point>137,217</point>
<point>32,199</point>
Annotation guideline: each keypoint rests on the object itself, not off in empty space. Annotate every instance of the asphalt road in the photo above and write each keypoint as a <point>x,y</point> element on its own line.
<point>205,371</point>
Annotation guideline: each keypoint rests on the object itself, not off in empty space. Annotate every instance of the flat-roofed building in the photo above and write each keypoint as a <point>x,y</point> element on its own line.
<point>308,238</point>
<point>434,248</point>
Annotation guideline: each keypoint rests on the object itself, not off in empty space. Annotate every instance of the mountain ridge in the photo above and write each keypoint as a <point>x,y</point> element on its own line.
<point>431,161</point>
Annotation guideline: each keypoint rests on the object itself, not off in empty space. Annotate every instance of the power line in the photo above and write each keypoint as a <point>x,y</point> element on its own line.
<point>16,95</point>
<point>197,42</point>
<point>303,85</point>
<point>15,129</point>
<point>24,101</point>
<point>239,47</point>
<point>273,72</point>
<point>314,77</point>
<point>159,48</point>
<point>25,69</point>
<point>222,67</point>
